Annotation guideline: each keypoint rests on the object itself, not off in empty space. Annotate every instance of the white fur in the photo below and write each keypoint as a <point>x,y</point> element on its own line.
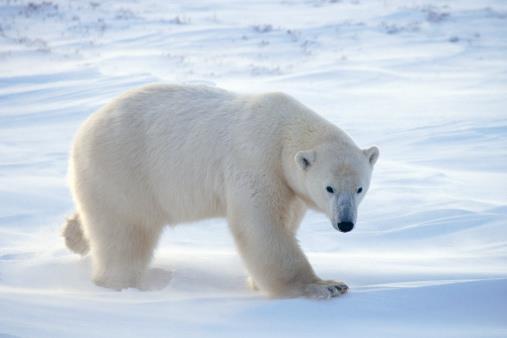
<point>167,154</point>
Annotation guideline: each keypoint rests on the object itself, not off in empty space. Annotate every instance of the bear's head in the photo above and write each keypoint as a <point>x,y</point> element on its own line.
<point>334,179</point>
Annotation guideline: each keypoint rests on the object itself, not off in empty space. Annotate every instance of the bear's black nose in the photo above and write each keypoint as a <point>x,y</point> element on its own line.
<point>345,226</point>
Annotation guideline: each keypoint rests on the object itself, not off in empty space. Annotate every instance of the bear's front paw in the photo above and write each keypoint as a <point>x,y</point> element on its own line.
<point>325,289</point>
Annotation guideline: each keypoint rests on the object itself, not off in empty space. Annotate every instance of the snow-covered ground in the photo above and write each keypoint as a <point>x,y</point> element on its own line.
<point>424,80</point>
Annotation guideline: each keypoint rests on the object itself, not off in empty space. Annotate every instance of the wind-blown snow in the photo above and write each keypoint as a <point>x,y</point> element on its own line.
<point>424,80</point>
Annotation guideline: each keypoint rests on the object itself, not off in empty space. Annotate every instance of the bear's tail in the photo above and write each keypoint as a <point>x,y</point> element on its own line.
<point>74,236</point>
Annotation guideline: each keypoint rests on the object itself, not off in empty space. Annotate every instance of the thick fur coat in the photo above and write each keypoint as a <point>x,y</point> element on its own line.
<point>166,154</point>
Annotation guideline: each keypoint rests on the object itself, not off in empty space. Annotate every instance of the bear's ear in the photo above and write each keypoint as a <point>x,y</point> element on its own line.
<point>305,158</point>
<point>371,154</point>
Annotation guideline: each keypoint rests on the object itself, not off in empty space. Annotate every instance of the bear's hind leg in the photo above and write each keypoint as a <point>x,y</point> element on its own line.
<point>121,253</point>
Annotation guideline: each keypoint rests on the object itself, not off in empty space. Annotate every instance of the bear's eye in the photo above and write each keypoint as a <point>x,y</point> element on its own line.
<point>360,190</point>
<point>330,190</point>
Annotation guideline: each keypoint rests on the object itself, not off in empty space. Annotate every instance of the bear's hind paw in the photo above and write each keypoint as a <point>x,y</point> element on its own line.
<point>251,284</point>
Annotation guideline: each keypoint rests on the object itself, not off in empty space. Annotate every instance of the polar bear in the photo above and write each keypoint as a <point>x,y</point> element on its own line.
<point>168,154</point>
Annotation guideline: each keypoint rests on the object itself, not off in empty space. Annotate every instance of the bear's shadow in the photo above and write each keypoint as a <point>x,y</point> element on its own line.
<point>156,279</point>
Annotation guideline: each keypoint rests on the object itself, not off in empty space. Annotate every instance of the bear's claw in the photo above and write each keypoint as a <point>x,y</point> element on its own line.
<point>325,289</point>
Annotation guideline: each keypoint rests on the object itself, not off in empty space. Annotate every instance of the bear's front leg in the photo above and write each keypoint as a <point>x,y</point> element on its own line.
<point>271,253</point>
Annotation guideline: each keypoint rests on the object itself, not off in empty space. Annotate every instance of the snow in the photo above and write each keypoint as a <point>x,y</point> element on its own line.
<point>424,80</point>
